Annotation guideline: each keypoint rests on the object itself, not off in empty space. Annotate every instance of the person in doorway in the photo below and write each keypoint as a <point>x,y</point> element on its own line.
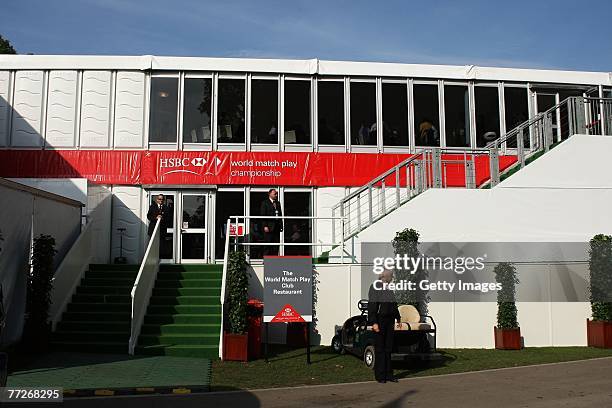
<point>382,314</point>
<point>157,211</point>
<point>272,228</point>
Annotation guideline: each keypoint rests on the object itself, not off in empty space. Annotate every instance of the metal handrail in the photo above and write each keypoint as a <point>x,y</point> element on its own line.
<point>592,115</point>
<point>143,286</point>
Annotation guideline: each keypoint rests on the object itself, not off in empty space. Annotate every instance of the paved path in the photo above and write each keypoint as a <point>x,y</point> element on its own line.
<point>573,384</point>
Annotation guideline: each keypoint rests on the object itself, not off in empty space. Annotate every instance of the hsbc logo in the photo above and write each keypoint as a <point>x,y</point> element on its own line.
<point>173,162</point>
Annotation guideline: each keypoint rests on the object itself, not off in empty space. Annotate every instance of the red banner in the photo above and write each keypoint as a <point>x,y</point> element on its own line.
<point>219,168</point>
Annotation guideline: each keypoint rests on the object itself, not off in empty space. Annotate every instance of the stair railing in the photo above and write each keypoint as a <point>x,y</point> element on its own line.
<point>427,167</point>
<point>70,272</point>
<point>143,286</point>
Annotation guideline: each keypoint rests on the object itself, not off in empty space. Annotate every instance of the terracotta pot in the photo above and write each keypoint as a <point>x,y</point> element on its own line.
<point>507,339</point>
<point>599,333</point>
<point>235,347</point>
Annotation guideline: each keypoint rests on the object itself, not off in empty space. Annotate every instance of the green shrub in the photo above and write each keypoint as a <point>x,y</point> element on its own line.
<point>406,242</point>
<point>38,298</point>
<point>505,274</point>
<point>600,268</point>
<point>237,287</point>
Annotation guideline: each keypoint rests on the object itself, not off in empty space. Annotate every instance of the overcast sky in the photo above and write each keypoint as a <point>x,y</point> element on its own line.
<point>537,33</point>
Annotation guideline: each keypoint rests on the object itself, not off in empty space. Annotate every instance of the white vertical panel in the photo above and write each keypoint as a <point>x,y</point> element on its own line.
<point>129,108</point>
<point>61,108</point>
<point>27,108</point>
<point>95,109</point>
<point>126,206</point>
<point>99,210</point>
<point>4,106</point>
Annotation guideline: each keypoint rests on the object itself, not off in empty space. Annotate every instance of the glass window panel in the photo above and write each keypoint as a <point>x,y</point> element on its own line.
<point>230,110</point>
<point>298,230</point>
<point>163,112</point>
<point>331,112</point>
<point>228,203</point>
<point>194,211</point>
<point>197,110</point>
<point>517,108</point>
<point>426,115</point>
<point>363,113</point>
<point>457,115</point>
<point>297,112</point>
<point>256,233</point>
<point>487,114</point>
<point>264,111</point>
<point>395,114</point>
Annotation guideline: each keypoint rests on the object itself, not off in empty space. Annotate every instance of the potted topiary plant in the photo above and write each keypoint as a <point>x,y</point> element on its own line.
<point>507,332</point>
<point>406,242</point>
<point>235,337</point>
<point>599,328</point>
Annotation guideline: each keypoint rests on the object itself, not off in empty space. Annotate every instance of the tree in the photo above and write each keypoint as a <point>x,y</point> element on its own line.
<point>6,47</point>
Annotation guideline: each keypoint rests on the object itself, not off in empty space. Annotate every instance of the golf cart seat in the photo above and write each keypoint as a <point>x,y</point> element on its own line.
<point>411,319</point>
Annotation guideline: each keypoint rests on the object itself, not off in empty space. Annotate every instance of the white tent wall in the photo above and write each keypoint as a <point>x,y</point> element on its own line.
<point>126,213</point>
<point>31,212</point>
<point>99,204</point>
<point>563,196</point>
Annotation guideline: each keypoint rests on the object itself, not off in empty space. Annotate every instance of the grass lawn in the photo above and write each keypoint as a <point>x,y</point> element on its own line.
<point>288,367</point>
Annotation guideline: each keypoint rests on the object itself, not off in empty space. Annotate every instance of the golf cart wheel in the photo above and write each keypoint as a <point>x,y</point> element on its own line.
<point>369,357</point>
<point>337,345</point>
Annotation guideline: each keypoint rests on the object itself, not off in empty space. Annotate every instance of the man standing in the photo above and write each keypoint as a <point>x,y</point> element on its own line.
<point>156,212</point>
<point>272,228</point>
<point>382,311</point>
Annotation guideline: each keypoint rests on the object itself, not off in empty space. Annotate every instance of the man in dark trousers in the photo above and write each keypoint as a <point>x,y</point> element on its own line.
<point>382,315</point>
<point>159,210</point>
<point>272,228</point>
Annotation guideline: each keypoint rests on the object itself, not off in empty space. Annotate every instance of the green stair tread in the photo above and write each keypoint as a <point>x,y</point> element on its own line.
<point>114,267</point>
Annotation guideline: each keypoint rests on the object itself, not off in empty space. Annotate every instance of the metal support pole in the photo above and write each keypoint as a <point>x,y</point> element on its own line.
<point>370,212</point>
<point>470,176</point>
<point>397,187</point>
<point>494,165</point>
<point>308,343</point>
<point>436,159</point>
<point>520,148</point>
<point>548,131</point>
<point>580,115</point>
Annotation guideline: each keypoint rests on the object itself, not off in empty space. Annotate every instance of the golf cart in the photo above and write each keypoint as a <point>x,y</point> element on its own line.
<point>411,342</point>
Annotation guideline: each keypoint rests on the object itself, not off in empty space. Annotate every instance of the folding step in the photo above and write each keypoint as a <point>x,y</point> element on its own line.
<point>176,329</point>
<point>161,319</point>
<point>184,300</point>
<point>189,275</point>
<point>90,336</point>
<point>186,268</point>
<point>112,274</point>
<point>94,326</point>
<point>108,290</point>
<point>99,307</point>
<point>180,309</point>
<point>104,316</point>
<point>211,339</point>
<point>187,291</point>
<point>188,283</point>
<point>114,267</point>
<point>117,282</point>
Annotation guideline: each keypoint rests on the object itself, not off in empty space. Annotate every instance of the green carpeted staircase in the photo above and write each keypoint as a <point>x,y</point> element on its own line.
<point>98,317</point>
<point>184,313</point>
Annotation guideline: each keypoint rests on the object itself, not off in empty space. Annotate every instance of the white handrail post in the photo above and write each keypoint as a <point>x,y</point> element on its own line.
<point>223,282</point>
<point>143,286</point>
